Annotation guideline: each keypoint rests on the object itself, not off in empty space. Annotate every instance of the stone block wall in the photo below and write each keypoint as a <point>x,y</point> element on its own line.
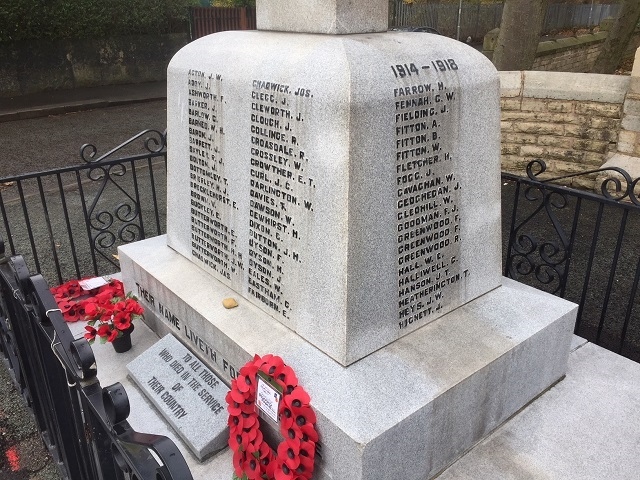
<point>570,54</point>
<point>569,120</point>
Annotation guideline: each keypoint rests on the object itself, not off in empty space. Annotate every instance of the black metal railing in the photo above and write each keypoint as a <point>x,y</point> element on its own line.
<point>580,246</point>
<point>83,424</point>
<point>572,243</point>
<point>68,222</point>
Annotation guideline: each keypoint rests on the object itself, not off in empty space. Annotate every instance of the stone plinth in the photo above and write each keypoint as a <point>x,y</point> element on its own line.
<point>407,410</point>
<point>347,185</point>
<point>323,16</point>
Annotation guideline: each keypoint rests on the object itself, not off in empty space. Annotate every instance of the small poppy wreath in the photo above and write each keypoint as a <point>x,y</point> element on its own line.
<point>253,459</point>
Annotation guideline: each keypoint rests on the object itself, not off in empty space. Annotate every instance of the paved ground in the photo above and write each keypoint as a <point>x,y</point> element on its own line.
<point>22,453</point>
<point>41,132</point>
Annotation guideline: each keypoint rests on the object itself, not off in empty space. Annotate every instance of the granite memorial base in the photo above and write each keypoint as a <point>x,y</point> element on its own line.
<point>407,410</point>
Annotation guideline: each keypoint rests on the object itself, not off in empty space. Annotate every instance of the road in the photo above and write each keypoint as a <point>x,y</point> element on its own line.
<point>49,142</point>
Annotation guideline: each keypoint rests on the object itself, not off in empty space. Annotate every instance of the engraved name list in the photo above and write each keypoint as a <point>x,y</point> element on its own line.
<point>428,220</point>
<point>281,192</point>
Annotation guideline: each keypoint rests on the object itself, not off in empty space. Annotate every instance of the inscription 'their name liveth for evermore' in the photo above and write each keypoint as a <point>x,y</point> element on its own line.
<point>428,217</point>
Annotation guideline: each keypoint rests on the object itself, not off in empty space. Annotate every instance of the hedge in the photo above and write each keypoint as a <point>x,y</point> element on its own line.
<point>22,20</point>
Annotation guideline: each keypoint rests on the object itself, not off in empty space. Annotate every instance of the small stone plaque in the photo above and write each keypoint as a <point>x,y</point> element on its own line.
<point>187,394</point>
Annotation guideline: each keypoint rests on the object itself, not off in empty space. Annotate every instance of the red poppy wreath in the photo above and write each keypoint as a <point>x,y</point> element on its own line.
<point>253,459</point>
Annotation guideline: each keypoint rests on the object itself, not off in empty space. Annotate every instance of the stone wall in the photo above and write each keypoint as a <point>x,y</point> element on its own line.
<point>570,120</point>
<point>32,67</point>
<point>569,54</point>
<point>575,54</point>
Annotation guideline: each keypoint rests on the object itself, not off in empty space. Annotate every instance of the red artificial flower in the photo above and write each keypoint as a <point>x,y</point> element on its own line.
<point>269,463</point>
<point>72,288</point>
<point>283,472</point>
<point>118,306</point>
<point>307,453</point>
<point>115,287</point>
<point>106,313</point>
<point>133,307</point>
<point>305,417</point>
<point>234,408</point>
<point>113,334</point>
<point>291,435</point>
<point>103,331</point>
<point>236,394</point>
<point>244,437</point>
<point>272,365</point>
<point>237,408</point>
<point>91,309</point>
<point>239,460</point>
<point>289,454</point>
<point>287,379</point>
<point>122,320</point>
<point>309,433</point>
<point>242,421</point>
<point>264,451</point>
<point>246,381</point>
<point>91,333</point>
<point>104,297</point>
<point>287,418</point>
<point>297,399</point>
<point>72,315</point>
<point>252,468</point>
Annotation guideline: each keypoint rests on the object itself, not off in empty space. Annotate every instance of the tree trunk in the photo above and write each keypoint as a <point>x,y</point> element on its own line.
<point>520,30</point>
<point>618,38</point>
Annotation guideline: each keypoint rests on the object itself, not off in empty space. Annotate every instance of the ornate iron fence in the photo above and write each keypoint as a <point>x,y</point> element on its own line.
<point>580,246</point>
<point>68,222</point>
<point>83,424</point>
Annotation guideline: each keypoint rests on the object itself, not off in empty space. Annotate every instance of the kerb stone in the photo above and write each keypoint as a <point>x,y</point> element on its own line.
<point>189,395</point>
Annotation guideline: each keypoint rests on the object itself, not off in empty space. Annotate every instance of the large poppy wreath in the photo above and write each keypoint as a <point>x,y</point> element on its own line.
<point>253,459</point>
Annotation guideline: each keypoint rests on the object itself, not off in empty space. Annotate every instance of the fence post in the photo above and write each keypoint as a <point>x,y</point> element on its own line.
<point>244,23</point>
<point>191,25</point>
<point>459,20</point>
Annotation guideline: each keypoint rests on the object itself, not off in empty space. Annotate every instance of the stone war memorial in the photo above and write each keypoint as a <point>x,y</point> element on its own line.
<point>342,184</point>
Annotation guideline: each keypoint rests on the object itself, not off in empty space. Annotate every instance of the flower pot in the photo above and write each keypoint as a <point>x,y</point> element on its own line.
<point>123,343</point>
